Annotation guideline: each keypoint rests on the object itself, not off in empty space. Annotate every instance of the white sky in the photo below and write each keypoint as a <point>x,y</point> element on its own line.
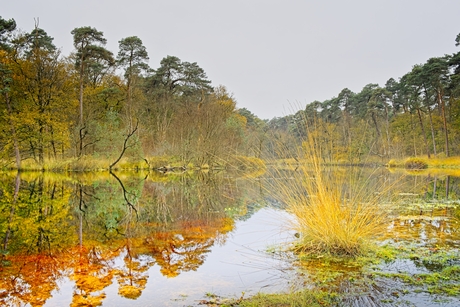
<point>274,56</point>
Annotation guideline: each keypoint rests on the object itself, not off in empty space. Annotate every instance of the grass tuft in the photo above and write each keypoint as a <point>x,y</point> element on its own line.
<point>336,210</point>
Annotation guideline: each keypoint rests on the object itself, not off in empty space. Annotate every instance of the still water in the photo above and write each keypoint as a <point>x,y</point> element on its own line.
<point>151,239</point>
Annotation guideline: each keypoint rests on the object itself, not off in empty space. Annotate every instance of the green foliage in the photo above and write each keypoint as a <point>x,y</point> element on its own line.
<point>179,81</point>
<point>6,27</point>
<point>89,44</point>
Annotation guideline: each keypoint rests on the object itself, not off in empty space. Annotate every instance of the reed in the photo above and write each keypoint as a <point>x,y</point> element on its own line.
<point>337,211</point>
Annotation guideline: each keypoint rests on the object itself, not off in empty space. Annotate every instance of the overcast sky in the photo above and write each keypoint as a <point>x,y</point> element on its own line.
<point>274,56</point>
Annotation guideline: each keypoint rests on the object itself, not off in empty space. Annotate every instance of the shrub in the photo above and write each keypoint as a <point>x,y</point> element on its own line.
<point>394,163</point>
<point>415,163</point>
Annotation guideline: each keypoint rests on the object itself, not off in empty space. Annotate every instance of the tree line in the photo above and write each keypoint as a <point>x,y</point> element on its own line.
<point>419,114</point>
<point>98,104</point>
<point>94,103</point>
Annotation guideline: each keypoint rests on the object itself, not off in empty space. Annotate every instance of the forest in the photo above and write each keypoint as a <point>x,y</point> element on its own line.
<point>61,111</point>
<point>417,115</point>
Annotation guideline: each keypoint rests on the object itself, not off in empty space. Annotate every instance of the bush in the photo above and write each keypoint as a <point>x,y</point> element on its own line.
<point>415,163</point>
<point>394,163</point>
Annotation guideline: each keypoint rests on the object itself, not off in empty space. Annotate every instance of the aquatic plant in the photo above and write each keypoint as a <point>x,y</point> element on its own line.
<point>337,211</point>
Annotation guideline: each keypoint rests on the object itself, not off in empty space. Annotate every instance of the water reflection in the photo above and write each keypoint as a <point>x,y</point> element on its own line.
<point>88,239</point>
<point>56,228</point>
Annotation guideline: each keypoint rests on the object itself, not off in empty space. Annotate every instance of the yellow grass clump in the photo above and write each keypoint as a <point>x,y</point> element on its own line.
<point>416,163</point>
<point>337,211</point>
<point>422,162</point>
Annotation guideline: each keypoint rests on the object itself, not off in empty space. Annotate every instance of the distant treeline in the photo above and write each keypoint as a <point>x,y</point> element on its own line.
<point>417,115</point>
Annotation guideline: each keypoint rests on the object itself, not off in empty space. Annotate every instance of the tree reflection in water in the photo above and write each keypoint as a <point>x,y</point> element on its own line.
<point>56,227</point>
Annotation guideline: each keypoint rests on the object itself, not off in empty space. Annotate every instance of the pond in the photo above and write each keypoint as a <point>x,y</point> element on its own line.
<point>146,239</point>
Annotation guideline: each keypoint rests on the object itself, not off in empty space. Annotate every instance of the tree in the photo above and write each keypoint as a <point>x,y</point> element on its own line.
<point>133,56</point>
<point>6,28</point>
<point>369,105</point>
<point>378,107</point>
<point>359,107</point>
<point>180,81</point>
<point>345,99</point>
<point>436,75</point>
<point>252,132</point>
<point>91,57</point>
<point>417,95</point>
<point>330,110</point>
<point>175,91</point>
<point>41,87</point>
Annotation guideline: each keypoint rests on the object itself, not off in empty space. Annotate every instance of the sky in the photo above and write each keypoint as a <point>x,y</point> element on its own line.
<point>274,56</point>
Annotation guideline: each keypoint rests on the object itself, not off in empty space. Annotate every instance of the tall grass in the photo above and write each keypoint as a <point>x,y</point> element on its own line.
<point>336,211</point>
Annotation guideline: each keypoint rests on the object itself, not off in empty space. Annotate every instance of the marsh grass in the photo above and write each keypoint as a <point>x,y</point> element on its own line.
<point>336,211</point>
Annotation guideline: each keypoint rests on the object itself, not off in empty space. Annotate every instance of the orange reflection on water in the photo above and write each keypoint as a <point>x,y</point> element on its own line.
<point>31,279</point>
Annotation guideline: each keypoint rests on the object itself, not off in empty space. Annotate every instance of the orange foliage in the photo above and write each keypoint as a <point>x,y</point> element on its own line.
<point>91,275</point>
<point>185,248</point>
<point>29,279</point>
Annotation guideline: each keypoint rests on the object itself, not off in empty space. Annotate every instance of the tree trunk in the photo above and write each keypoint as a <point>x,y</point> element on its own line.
<point>80,98</point>
<point>423,132</point>
<point>17,153</point>
<point>444,121</point>
<point>413,135</point>
<point>375,124</point>
<point>80,216</point>
<point>387,118</point>
<point>432,132</point>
